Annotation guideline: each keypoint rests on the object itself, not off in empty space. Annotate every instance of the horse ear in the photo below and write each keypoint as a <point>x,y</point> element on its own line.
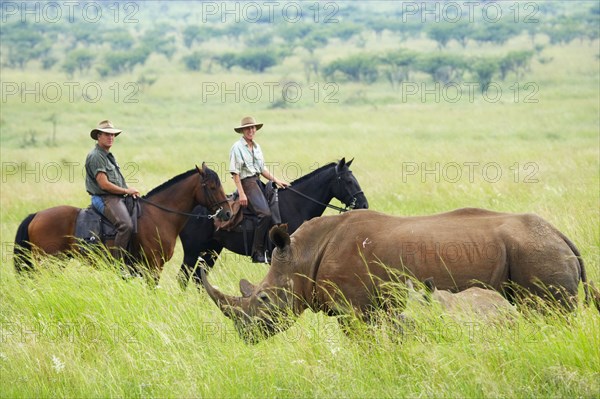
<point>201,171</point>
<point>349,162</point>
<point>246,288</point>
<point>340,164</point>
<point>280,236</point>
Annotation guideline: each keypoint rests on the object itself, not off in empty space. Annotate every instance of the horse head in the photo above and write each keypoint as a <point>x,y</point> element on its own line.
<point>346,188</point>
<point>211,193</point>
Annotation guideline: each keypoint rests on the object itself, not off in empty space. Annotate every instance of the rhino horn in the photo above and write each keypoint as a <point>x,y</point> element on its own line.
<point>229,305</point>
<point>246,288</point>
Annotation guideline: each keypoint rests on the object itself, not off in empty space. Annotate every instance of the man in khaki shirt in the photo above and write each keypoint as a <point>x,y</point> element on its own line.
<point>246,164</point>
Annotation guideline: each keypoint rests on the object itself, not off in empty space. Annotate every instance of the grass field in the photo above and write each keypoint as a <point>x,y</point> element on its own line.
<point>75,330</point>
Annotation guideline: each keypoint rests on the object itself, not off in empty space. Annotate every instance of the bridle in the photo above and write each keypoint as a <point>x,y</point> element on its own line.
<point>350,201</point>
<point>207,194</point>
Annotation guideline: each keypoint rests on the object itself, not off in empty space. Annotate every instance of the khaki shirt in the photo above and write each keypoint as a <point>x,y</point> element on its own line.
<point>245,162</point>
<point>99,160</point>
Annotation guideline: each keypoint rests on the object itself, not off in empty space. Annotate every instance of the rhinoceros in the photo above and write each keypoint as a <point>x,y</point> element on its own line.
<point>338,264</point>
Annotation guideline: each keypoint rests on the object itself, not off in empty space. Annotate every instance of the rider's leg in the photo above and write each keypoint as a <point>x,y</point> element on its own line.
<point>258,204</point>
<point>116,211</point>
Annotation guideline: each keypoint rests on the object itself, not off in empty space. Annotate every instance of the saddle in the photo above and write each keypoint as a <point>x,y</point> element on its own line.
<point>243,219</point>
<point>93,228</point>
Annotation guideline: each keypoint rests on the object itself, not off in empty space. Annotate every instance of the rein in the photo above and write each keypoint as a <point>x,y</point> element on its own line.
<point>337,208</point>
<point>197,216</point>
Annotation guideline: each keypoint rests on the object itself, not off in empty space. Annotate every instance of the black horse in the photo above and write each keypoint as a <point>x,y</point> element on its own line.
<point>306,198</point>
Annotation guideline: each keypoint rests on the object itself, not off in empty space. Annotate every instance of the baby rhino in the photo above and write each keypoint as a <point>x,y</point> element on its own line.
<point>482,303</point>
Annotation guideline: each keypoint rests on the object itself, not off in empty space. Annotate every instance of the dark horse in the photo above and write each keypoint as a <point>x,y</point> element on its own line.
<point>306,198</point>
<point>164,212</point>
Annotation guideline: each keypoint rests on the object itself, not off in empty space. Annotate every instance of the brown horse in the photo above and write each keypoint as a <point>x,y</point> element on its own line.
<point>164,212</point>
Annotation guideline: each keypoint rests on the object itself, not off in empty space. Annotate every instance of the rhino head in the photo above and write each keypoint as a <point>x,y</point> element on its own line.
<point>269,307</point>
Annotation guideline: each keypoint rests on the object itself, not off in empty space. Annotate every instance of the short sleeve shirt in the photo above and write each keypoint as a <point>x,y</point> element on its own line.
<point>245,162</point>
<point>99,160</point>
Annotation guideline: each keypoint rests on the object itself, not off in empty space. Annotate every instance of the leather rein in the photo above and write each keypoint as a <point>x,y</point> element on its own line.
<point>348,207</point>
<point>194,215</point>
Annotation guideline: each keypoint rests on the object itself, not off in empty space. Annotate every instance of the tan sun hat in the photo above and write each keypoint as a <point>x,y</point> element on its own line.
<point>247,122</point>
<point>105,127</point>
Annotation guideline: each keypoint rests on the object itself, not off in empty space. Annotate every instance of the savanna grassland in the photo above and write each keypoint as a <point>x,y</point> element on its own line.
<point>77,329</point>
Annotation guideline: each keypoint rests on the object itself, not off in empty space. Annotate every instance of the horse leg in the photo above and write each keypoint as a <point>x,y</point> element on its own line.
<point>191,253</point>
<point>207,260</point>
<point>196,240</point>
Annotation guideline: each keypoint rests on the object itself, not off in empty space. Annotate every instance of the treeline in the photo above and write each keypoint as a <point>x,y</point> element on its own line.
<point>397,66</point>
<point>81,47</point>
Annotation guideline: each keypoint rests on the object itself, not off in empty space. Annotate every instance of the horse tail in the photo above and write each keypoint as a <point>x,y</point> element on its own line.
<point>582,273</point>
<point>22,248</point>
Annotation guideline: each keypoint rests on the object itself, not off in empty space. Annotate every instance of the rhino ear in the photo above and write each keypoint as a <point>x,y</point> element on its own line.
<point>246,288</point>
<point>280,236</point>
<point>429,284</point>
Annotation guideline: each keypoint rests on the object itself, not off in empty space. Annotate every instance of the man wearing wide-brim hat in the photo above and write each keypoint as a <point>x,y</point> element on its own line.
<point>246,165</point>
<point>106,184</point>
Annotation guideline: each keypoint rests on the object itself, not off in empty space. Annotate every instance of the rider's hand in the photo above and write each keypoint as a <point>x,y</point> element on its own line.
<point>243,199</point>
<point>281,183</point>
<point>133,192</point>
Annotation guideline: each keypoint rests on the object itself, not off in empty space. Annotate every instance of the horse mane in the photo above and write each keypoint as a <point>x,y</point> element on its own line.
<point>170,182</point>
<point>309,176</point>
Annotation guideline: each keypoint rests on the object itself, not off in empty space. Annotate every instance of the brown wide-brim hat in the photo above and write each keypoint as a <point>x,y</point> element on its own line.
<point>105,127</point>
<point>247,122</point>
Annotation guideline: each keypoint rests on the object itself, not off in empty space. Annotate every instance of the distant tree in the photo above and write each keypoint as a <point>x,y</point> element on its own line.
<point>565,29</point>
<point>293,33</point>
<point>119,39</point>
<point>314,40</point>
<point>193,61</point>
<point>397,64</point>
<point>85,34</point>
<point>124,61</point>
<point>103,70</point>
<point>48,62</point>
<point>79,59</point>
<point>226,60</point>
<point>259,39</point>
<point>484,68</point>
<point>344,31</point>
<point>442,67</point>
<point>193,34</point>
<point>462,32</point>
<point>159,40</point>
<point>257,60</point>
<point>357,68</point>
<point>440,33</point>
<point>516,62</point>
<point>25,44</point>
